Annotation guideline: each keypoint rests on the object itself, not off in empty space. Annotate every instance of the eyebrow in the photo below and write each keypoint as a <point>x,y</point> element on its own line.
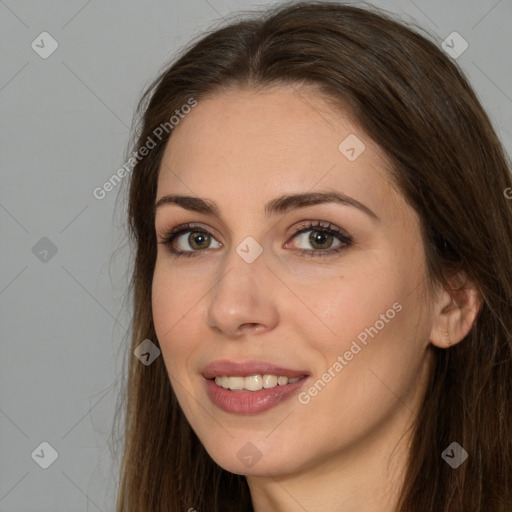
<point>279,205</point>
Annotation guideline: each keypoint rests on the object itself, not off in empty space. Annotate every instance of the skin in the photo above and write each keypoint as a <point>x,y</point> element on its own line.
<point>346,448</point>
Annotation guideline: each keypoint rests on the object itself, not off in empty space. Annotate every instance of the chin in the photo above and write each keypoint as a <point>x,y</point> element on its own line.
<point>249,458</point>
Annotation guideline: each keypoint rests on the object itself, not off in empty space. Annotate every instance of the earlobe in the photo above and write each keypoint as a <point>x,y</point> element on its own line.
<point>458,308</point>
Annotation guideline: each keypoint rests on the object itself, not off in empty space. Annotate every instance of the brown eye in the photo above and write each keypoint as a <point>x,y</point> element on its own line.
<point>199,239</point>
<point>320,238</point>
<point>315,239</point>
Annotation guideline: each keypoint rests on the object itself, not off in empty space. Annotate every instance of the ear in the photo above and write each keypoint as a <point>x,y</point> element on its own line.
<point>456,309</point>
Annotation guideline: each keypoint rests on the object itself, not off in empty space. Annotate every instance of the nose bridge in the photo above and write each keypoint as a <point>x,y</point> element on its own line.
<point>237,281</point>
<point>240,295</point>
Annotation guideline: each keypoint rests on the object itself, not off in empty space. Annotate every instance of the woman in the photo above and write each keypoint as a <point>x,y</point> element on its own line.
<point>323,259</point>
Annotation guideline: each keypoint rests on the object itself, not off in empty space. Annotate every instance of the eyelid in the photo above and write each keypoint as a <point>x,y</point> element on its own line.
<point>344,238</point>
<point>310,225</point>
<point>185,227</point>
<point>302,226</point>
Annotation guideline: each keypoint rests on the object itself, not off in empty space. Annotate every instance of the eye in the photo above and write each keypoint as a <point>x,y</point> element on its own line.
<point>321,238</point>
<point>198,239</point>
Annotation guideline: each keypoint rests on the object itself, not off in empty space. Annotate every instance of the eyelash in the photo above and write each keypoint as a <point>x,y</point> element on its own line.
<point>346,241</point>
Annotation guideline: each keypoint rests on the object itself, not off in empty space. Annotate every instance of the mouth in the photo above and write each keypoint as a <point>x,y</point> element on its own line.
<point>254,382</point>
<point>226,368</point>
<point>251,387</point>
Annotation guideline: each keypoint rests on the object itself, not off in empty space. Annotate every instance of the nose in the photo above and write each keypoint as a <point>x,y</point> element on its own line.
<point>242,299</point>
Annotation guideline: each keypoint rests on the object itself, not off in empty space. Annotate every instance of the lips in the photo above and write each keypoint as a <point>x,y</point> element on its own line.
<point>222,368</point>
<point>245,401</point>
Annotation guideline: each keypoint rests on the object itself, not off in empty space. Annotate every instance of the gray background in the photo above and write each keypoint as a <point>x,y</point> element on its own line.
<point>64,123</point>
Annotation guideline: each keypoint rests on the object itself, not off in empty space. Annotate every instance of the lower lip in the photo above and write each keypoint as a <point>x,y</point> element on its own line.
<point>250,402</point>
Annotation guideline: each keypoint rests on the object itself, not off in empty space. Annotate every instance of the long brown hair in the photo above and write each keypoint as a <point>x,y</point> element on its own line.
<point>448,163</point>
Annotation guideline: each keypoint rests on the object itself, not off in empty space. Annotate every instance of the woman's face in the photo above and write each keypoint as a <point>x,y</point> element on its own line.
<point>341,304</point>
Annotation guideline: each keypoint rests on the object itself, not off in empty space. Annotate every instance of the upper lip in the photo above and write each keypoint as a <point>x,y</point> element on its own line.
<point>228,368</point>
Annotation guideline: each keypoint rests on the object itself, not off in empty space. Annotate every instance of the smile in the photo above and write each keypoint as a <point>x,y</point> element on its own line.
<point>254,382</point>
<point>250,387</point>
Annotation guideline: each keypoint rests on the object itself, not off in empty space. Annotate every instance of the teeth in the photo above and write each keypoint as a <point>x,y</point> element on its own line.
<point>270,381</point>
<point>254,382</point>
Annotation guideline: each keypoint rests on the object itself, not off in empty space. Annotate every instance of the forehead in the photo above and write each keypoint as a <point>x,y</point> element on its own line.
<point>249,146</point>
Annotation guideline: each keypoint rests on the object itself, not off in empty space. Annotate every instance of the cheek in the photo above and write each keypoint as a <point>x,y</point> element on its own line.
<point>371,365</point>
<point>381,298</point>
<point>175,294</point>
<point>164,304</point>
<point>373,320</point>
<point>349,306</point>
<point>173,307</point>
